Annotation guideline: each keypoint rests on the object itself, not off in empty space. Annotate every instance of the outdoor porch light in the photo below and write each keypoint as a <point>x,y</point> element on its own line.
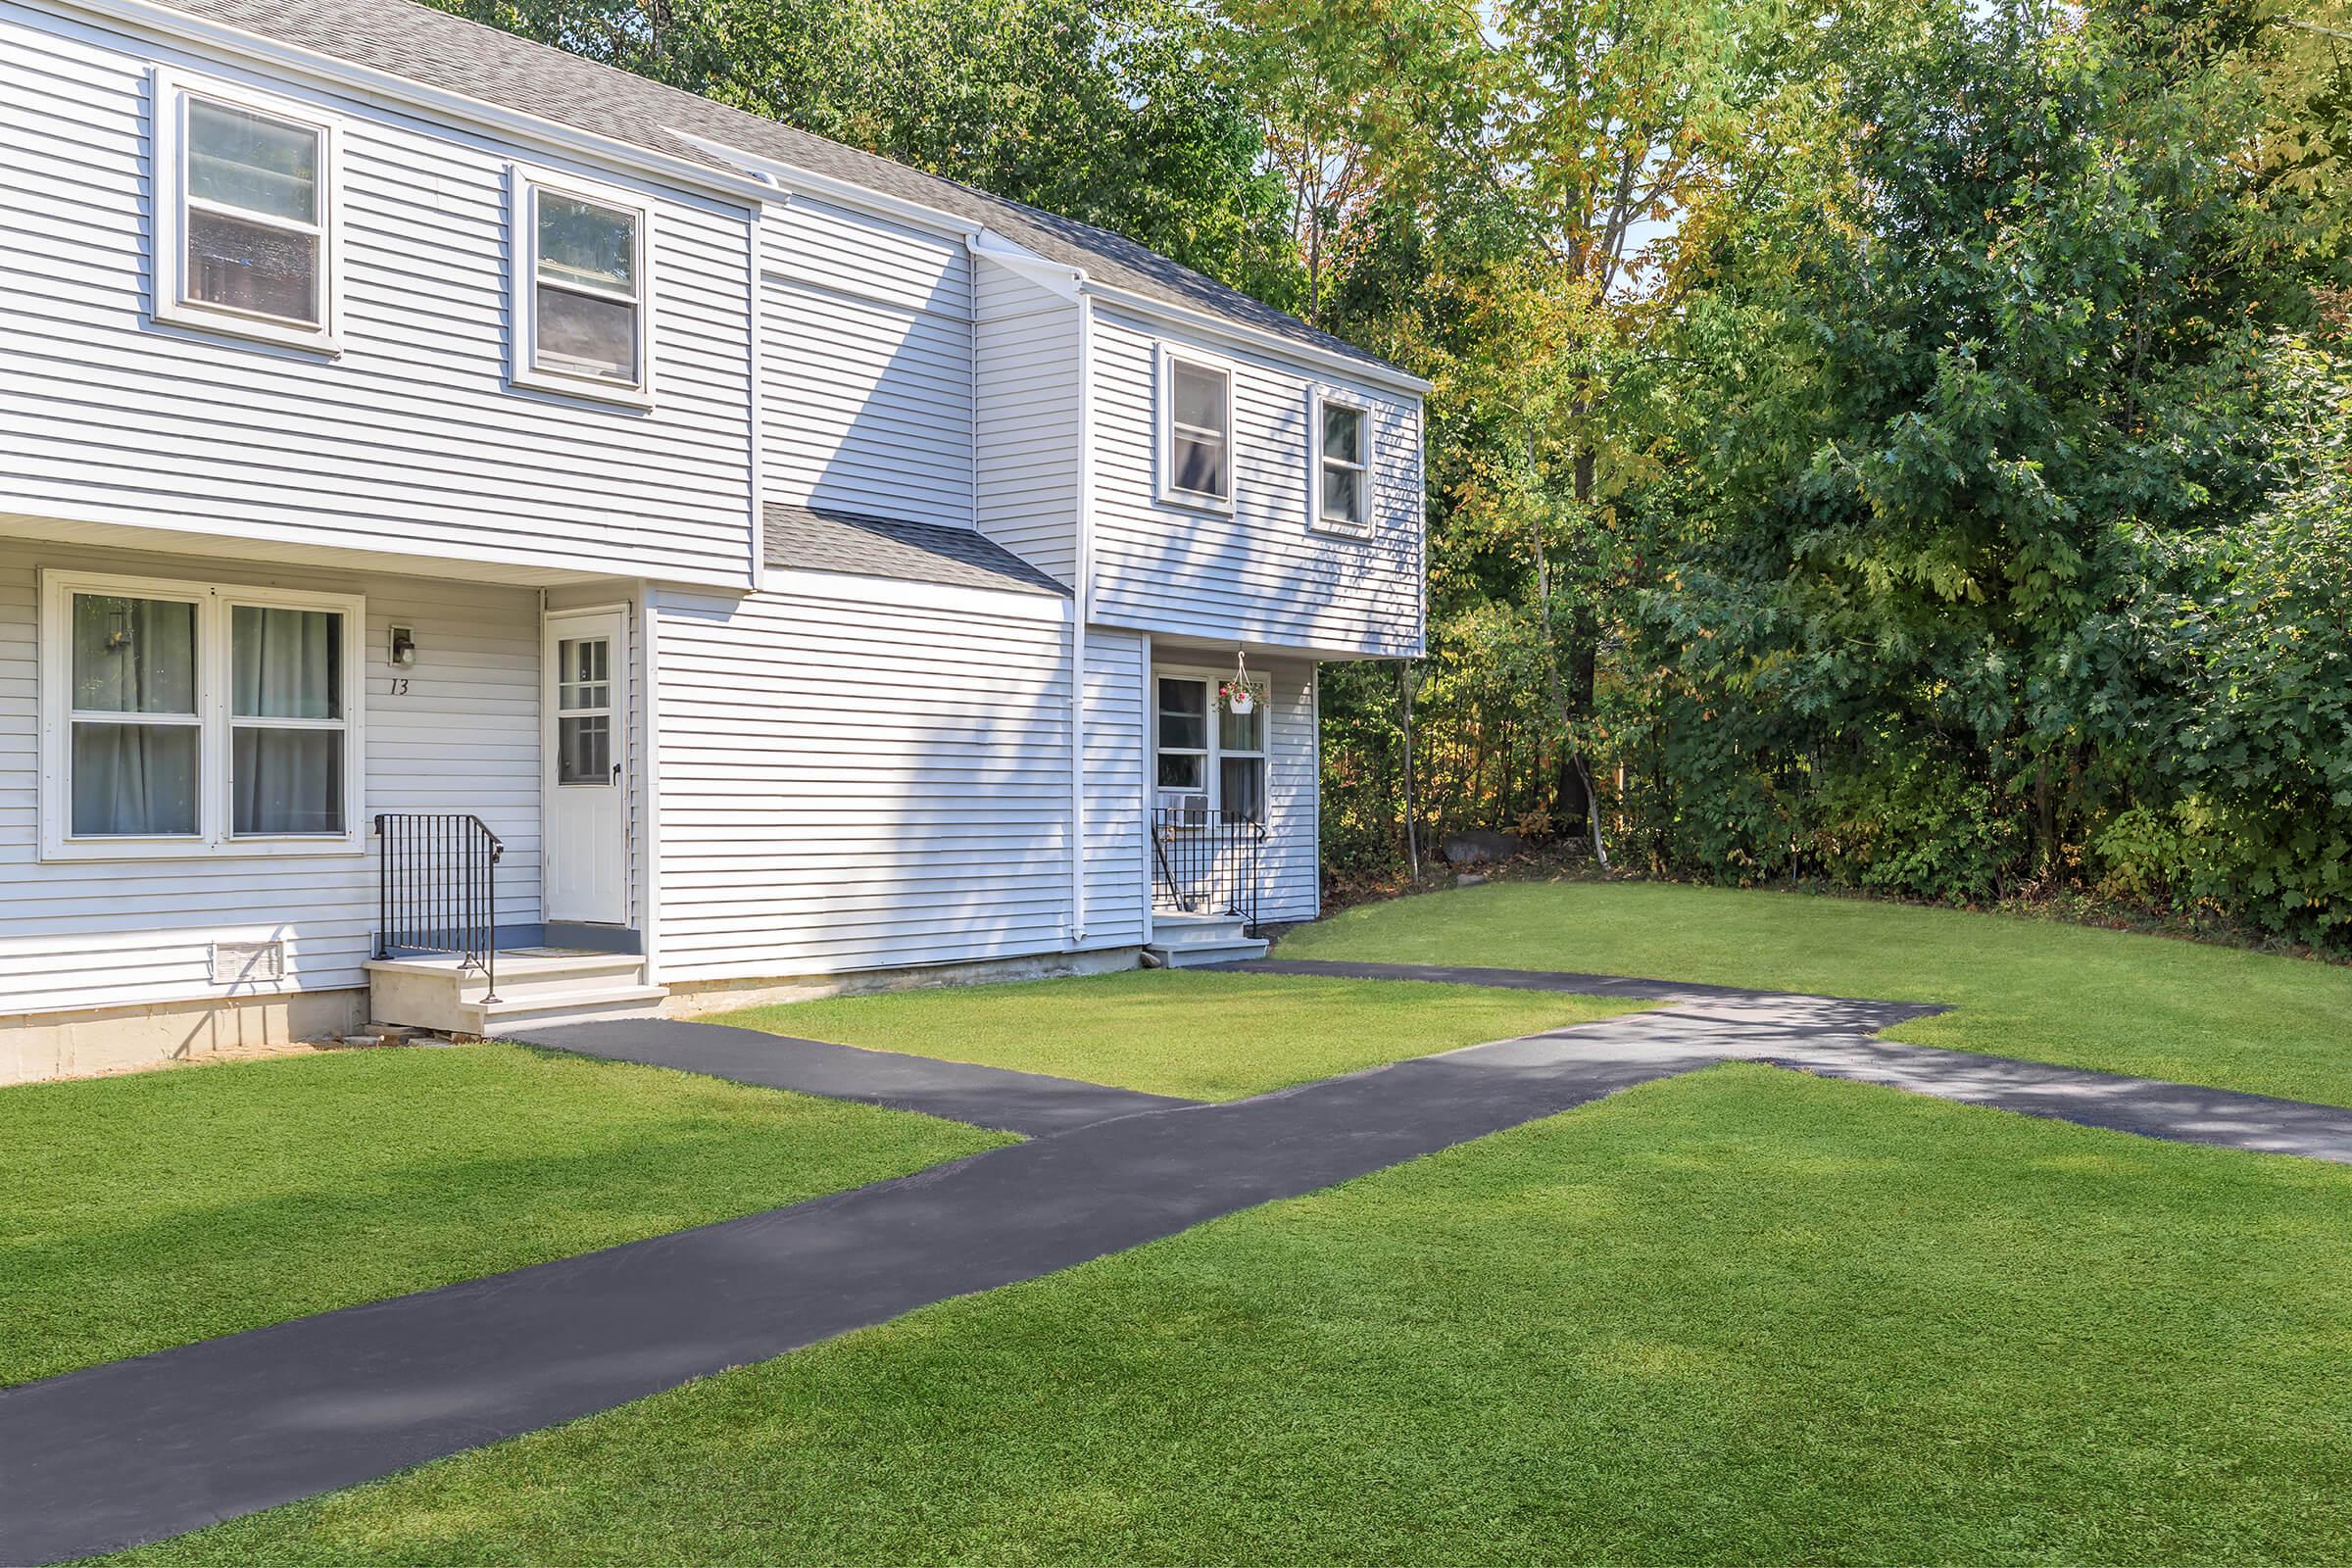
<point>404,648</point>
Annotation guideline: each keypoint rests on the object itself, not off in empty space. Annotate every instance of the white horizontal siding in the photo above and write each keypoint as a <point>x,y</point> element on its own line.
<point>1027,452</point>
<point>855,784</point>
<point>410,440</point>
<point>866,366</point>
<point>463,738</point>
<point>1117,893</point>
<point>910,269</point>
<point>1259,574</point>
<point>1292,887</point>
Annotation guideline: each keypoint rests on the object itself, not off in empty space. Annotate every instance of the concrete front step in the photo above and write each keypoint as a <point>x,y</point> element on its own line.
<point>535,985</point>
<point>1185,941</point>
<point>1192,956</point>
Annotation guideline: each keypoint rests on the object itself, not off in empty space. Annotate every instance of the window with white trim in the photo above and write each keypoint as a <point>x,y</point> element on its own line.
<point>581,295</point>
<point>1242,763</point>
<point>1342,459</point>
<point>245,214</point>
<point>1196,431</point>
<point>182,718</point>
<point>1207,758</point>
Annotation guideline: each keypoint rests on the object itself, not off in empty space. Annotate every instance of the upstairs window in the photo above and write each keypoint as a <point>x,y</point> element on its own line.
<point>1342,463</point>
<point>1196,445</point>
<point>245,232</point>
<point>580,291</point>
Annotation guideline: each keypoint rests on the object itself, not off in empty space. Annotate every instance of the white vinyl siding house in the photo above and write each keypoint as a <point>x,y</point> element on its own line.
<point>741,565</point>
<point>858,774</point>
<point>283,446</point>
<point>1256,569</point>
<point>457,731</point>
<point>867,375</point>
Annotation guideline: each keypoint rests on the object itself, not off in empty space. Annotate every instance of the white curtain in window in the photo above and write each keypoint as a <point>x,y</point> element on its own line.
<point>285,664</point>
<point>134,657</point>
<point>134,780</point>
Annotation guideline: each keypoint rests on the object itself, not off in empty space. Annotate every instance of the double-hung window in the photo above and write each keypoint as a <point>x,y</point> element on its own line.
<point>1342,458</point>
<point>192,720</point>
<point>244,215</point>
<point>1196,433</point>
<point>1206,757</point>
<point>581,297</point>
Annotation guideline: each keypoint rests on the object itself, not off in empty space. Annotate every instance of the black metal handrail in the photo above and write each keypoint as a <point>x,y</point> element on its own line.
<point>436,889</point>
<point>1206,862</point>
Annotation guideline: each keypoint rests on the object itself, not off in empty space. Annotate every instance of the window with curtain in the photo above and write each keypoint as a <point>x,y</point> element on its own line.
<point>137,737</point>
<point>1242,763</point>
<point>587,259</point>
<point>1343,499</point>
<point>190,719</point>
<point>286,724</point>
<point>253,213</point>
<point>1199,443</point>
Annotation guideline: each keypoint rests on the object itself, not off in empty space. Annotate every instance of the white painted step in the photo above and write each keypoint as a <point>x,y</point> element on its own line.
<point>1194,956</point>
<point>535,985</point>
<point>1185,941</point>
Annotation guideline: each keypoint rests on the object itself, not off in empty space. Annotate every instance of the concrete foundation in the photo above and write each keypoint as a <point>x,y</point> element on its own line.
<point>34,1046</point>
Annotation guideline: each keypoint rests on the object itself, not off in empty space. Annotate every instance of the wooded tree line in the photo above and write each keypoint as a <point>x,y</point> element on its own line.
<point>1905,444</point>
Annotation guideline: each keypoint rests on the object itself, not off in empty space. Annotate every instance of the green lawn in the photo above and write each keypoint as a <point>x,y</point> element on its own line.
<point>149,1210</point>
<point>2037,988</point>
<point>1200,1034</point>
<point>1743,1316</point>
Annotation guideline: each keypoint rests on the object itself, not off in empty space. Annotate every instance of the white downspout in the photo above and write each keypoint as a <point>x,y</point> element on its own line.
<point>1082,610</point>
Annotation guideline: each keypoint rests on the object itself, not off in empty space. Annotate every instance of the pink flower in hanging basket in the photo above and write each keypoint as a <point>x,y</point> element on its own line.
<point>1239,698</point>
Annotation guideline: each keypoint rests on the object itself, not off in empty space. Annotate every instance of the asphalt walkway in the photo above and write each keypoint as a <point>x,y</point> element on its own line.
<point>130,1452</point>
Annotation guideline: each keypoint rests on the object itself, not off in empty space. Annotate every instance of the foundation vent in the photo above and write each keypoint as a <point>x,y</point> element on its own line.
<point>240,963</point>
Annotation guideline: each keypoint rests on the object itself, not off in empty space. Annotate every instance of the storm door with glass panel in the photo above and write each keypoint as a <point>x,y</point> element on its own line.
<point>587,814</point>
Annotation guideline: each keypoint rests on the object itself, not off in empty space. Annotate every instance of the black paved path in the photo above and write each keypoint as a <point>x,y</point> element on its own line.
<point>985,1096</point>
<point>130,1452</point>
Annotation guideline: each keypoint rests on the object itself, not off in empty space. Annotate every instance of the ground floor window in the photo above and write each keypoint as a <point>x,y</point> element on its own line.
<point>1206,757</point>
<point>190,718</point>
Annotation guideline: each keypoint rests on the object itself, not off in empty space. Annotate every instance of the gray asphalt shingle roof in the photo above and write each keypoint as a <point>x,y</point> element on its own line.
<point>821,539</point>
<point>480,62</point>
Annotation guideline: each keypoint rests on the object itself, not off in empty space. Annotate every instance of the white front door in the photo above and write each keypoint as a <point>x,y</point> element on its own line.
<point>584,740</point>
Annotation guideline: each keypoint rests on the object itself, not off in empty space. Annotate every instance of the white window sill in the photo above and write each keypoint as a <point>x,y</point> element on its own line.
<point>1189,501</point>
<point>228,323</point>
<point>582,388</point>
<point>193,849</point>
<point>1358,531</point>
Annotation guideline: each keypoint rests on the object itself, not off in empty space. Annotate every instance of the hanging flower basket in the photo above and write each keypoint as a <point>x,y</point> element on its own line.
<point>1240,697</point>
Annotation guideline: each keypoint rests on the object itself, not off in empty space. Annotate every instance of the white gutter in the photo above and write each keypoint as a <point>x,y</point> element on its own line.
<point>391,91</point>
<point>1247,337</point>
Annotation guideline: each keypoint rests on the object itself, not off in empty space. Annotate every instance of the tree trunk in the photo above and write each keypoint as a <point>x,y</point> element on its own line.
<point>1404,696</point>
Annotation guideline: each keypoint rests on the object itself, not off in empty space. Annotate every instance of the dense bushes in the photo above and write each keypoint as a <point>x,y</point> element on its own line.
<point>1992,530</point>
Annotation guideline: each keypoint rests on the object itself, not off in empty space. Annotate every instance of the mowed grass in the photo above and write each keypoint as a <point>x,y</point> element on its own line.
<point>1743,1316</point>
<point>151,1210</point>
<point>1201,1034</point>
<point>2038,988</point>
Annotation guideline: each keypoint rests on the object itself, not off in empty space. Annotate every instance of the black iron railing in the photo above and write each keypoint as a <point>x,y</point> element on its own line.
<point>1205,863</point>
<point>437,889</point>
